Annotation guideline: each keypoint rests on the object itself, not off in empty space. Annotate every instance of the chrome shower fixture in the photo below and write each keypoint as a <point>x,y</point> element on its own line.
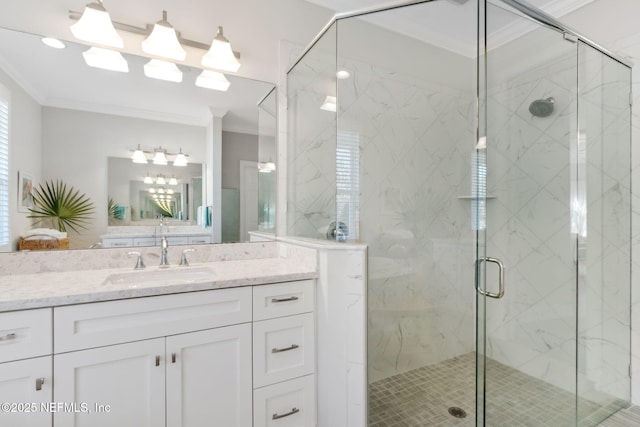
<point>542,107</point>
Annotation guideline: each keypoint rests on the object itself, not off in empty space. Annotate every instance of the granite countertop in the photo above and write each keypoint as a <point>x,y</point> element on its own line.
<point>24,291</point>
<point>148,235</point>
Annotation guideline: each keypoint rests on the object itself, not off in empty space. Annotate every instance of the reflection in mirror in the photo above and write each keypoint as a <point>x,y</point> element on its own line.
<point>70,122</point>
<point>267,128</point>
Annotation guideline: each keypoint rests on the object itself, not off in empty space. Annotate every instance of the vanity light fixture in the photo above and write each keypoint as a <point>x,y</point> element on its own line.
<point>160,180</point>
<point>343,74</point>
<point>95,26</point>
<point>329,104</point>
<point>148,179</point>
<point>160,190</point>
<point>54,43</point>
<point>139,157</point>
<point>106,59</point>
<point>162,70</point>
<point>160,158</point>
<point>170,191</point>
<point>152,190</point>
<point>163,41</point>
<point>213,80</point>
<point>173,181</point>
<point>180,160</point>
<point>220,55</point>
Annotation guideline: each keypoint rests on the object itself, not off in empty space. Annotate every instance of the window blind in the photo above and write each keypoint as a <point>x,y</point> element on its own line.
<point>4,166</point>
<point>348,182</point>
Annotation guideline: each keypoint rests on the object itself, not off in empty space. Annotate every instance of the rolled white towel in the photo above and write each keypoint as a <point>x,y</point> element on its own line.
<point>48,232</point>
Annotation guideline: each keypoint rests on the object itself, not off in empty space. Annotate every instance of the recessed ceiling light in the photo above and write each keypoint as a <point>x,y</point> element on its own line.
<point>54,43</point>
<point>343,74</point>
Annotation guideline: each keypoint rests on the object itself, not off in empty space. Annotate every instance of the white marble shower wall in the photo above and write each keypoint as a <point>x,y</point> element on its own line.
<point>543,203</point>
<point>412,115</point>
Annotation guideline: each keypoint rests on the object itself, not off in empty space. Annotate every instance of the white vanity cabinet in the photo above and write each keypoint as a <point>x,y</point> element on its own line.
<point>141,358</point>
<point>227,357</point>
<point>25,368</point>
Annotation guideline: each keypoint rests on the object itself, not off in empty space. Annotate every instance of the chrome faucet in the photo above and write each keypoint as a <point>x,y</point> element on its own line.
<point>164,245</point>
<point>161,223</point>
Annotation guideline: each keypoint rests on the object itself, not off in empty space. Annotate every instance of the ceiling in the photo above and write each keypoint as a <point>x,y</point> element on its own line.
<point>256,28</point>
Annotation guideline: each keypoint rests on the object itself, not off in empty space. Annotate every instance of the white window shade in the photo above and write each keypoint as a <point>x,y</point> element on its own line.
<point>4,166</point>
<point>348,182</point>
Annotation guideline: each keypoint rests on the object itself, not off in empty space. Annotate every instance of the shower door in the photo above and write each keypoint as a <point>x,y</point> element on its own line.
<point>543,165</point>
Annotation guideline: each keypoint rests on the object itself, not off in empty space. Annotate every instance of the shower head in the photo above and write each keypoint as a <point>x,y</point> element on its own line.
<point>542,107</point>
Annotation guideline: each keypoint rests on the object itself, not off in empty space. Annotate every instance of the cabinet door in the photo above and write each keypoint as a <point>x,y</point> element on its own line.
<point>118,385</point>
<point>25,386</point>
<point>209,378</point>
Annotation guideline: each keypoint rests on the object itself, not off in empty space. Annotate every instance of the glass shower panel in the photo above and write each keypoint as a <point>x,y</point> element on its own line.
<point>405,138</point>
<point>604,255</point>
<point>311,140</point>
<point>530,345</point>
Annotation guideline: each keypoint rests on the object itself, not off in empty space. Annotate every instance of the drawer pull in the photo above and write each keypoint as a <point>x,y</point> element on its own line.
<point>280,350</point>
<point>8,337</point>
<point>293,411</point>
<point>274,300</point>
<point>157,360</point>
<point>173,358</point>
<point>39,382</point>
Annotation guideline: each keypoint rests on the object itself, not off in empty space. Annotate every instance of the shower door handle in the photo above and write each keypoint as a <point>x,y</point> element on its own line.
<point>481,291</point>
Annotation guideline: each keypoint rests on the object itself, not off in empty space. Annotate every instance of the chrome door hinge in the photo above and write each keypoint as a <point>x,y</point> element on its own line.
<point>570,37</point>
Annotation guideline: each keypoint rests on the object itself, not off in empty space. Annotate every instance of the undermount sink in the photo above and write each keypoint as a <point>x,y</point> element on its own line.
<point>161,276</point>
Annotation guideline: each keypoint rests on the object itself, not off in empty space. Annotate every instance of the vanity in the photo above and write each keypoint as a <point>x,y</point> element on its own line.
<point>231,342</point>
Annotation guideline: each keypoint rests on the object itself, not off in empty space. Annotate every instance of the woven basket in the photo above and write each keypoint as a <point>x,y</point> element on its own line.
<point>32,243</point>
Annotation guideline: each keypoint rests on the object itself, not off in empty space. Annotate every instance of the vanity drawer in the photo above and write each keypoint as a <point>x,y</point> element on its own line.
<point>199,240</point>
<point>283,299</point>
<point>286,404</point>
<point>144,241</point>
<point>24,334</point>
<point>117,242</point>
<point>284,348</point>
<point>105,323</point>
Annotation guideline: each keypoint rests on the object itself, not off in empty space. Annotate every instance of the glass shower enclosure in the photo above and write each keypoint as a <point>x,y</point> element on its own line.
<point>481,150</point>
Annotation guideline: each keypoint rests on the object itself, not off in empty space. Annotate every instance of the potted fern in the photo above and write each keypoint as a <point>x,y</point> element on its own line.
<point>64,206</point>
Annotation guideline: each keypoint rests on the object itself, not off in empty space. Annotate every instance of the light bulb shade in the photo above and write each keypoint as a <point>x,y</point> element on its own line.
<point>160,180</point>
<point>95,26</point>
<point>162,70</point>
<point>220,55</point>
<point>160,158</point>
<point>148,180</point>
<point>106,59</point>
<point>181,160</point>
<point>163,42</point>
<point>160,190</point>
<point>173,181</point>
<point>329,104</point>
<point>139,157</point>
<point>213,80</point>
<point>152,190</point>
<point>170,191</point>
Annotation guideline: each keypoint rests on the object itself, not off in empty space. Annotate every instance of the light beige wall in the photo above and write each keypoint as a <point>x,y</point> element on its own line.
<point>236,147</point>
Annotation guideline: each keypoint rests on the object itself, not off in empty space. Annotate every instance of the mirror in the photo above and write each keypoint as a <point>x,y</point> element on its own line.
<point>81,125</point>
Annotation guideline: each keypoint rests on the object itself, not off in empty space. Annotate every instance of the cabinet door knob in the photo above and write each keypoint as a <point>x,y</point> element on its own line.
<point>293,411</point>
<point>39,382</point>
<point>280,350</point>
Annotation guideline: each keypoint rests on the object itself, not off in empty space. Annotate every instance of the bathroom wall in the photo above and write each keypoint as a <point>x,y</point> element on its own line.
<point>235,147</point>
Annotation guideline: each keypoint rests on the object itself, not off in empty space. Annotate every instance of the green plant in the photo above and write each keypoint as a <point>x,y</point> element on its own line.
<point>111,208</point>
<point>63,205</point>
